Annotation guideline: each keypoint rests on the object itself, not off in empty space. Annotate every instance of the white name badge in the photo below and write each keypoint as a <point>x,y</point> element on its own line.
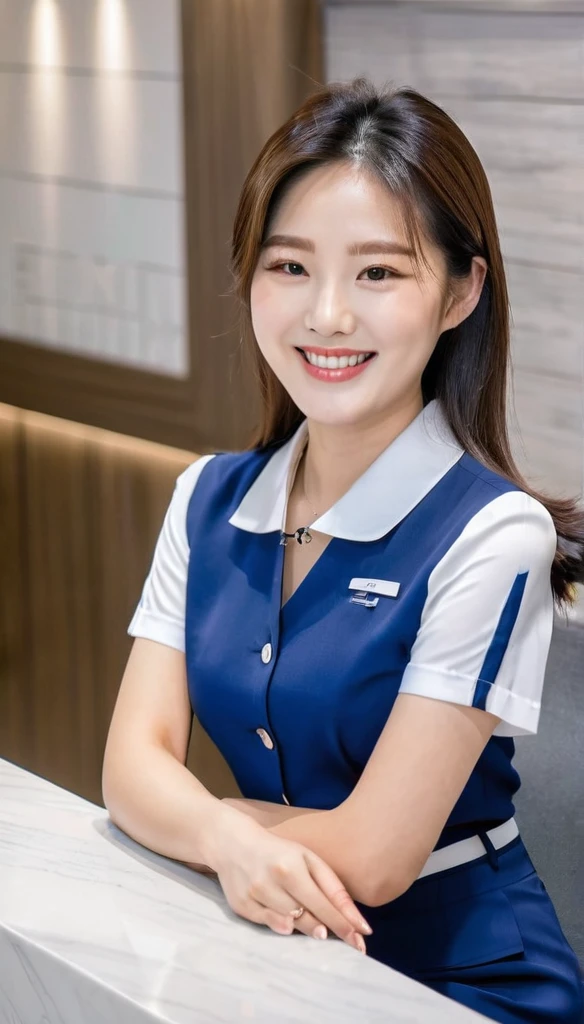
<point>386,587</point>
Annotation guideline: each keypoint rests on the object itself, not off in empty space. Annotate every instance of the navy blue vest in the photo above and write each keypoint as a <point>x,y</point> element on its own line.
<point>336,667</point>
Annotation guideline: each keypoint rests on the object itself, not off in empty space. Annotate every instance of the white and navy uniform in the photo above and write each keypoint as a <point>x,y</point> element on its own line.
<point>436,582</point>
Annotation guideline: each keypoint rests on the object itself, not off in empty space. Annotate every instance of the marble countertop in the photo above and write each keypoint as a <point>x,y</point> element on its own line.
<point>94,928</point>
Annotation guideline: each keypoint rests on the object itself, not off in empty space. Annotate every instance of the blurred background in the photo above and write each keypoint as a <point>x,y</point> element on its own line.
<point>126,130</point>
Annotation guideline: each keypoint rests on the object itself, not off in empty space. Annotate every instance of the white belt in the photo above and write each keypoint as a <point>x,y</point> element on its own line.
<point>469,849</point>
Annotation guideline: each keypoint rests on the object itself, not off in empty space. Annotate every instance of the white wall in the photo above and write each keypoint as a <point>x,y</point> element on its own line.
<point>91,179</point>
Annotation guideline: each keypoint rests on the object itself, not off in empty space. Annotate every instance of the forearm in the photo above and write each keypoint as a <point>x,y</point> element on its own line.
<point>157,801</point>
<point>265,813</point>
<point>326,834</point>
<point>337,837</point>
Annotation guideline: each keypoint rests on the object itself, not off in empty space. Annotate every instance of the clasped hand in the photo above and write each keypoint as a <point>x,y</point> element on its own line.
<point>265,877</point>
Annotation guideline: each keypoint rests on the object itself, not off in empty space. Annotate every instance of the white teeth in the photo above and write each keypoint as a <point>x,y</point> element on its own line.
<point>335,362</point>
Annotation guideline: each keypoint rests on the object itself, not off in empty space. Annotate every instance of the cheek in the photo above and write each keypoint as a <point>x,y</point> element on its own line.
<point>266,319</point>
<point>271,315</point>
<point>259,292</point>
<point>409,314</point>
<point>261,311</point>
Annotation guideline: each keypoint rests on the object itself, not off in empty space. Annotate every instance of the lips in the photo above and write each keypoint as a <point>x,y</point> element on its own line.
<point>320,351</point>
<point>334,359</point>
<point>334,369</point>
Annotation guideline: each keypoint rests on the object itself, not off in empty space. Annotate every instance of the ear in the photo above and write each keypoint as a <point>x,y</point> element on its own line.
<point>464,295</point>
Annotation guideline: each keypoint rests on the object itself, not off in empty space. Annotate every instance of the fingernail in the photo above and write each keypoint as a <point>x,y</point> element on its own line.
<point>284,929</point>
<point>360,944</point>
<point>360,923</point>
<point>320,932</point>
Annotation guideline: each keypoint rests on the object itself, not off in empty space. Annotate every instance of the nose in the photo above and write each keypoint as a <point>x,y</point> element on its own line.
<point>329,313</point>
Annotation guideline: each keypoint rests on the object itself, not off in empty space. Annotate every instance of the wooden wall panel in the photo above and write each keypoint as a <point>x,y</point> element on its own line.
<point>80,512</point>
<point>246,67</point>
<point>14,675</point>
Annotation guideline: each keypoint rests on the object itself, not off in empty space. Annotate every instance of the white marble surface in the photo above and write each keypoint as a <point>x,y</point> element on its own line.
<point>96,929</point>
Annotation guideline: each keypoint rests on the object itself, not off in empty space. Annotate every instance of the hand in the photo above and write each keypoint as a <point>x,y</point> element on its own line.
<point>265,877</point>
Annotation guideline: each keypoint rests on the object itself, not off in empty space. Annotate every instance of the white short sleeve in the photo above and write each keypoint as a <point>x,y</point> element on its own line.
<point>160,615</point>
<point>487,622</point>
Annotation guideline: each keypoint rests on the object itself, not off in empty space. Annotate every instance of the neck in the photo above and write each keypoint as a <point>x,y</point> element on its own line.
<point>335,457</point>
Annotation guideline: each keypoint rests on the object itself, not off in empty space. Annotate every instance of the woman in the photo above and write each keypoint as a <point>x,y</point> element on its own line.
<point>359,606</point>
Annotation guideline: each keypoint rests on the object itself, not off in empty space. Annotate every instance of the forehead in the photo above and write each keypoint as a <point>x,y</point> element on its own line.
<point>343,203</point>
<point>324,192</point>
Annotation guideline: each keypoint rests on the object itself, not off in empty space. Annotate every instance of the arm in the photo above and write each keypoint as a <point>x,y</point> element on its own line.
<point>147,789</point>
<point>476,668</point>
<point>153,797</point>
<point>266,813</point>
<point>420,735</point>
<point>160,617</point>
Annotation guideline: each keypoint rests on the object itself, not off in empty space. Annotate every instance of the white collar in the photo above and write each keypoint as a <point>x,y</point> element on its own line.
<point>379,499</point>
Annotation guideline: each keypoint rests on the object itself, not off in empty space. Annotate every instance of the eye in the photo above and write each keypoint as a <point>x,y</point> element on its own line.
<point>278,266</point>
<point>382,270</point>
<point>385,273</point>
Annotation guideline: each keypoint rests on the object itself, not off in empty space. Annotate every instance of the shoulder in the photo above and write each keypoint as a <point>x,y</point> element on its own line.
<point>185,485</point>
<point>219,468</point>
<point>511,526</point>
<point>187,480</point>
<point>210,490</point>
<point>501,506</point>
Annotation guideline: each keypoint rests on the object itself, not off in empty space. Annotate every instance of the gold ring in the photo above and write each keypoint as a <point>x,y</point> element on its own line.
<point>297,913</point>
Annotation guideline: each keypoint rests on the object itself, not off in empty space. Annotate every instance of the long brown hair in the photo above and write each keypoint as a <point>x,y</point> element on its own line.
<point>427,162</point>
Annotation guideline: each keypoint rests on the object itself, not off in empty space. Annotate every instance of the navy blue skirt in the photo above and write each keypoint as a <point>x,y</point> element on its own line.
<point>485,934</point>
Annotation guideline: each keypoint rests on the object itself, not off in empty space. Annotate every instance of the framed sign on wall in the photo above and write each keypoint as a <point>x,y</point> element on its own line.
<point>123,146</point>
<point>93,293</point>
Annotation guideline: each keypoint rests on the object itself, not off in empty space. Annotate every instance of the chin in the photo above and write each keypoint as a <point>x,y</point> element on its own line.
<point>333,405</point>
<point>332,413</point>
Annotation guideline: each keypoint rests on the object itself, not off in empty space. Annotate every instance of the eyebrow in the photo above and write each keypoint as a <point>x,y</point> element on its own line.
<point>371,248</point>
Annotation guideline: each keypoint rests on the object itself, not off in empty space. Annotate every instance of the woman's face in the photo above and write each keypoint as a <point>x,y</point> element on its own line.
<point>320,295</point>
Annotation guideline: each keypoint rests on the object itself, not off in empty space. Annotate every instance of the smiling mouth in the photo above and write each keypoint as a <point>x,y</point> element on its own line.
<point>336,362</point>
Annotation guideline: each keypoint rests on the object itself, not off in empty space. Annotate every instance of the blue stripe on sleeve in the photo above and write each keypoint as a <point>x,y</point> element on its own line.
<point>498,645</point>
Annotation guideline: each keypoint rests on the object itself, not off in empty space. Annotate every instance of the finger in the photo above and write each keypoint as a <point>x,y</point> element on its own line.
<point>301,888</point>
<point>310,925</point>
<point>280,904</point>
<point>309,894</point>
<point>332,887</point>
<point>257,913</point>
<point>285,924</point>
<point>322,910</point>
<point>306,924</point>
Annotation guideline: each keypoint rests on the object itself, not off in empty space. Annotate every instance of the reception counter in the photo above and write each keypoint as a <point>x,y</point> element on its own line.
<point>95,928</point>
